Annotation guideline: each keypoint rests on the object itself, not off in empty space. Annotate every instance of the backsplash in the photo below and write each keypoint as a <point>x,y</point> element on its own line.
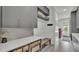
<point>16,33</point>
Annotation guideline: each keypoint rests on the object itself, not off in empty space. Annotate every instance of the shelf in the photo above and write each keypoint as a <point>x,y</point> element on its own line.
<point>43,12</point>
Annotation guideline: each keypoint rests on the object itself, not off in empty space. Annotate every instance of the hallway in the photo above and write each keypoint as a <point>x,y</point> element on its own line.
<point>62,45</point>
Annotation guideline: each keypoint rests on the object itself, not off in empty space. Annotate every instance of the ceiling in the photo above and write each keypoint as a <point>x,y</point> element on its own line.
<point>63,11</point>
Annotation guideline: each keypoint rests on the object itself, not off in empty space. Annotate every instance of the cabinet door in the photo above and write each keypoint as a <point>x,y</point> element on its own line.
<point>73,22</point>
<point>77,18</point>
<point>29,17</point>
<point>19,16</point>
<point>0,17</point>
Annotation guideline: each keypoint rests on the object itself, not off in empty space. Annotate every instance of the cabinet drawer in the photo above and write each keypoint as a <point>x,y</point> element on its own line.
<point>35,49</point>
<point>26,48</point>
<point>34,44</point>
<point>19,50</point>
<point>44,41</point>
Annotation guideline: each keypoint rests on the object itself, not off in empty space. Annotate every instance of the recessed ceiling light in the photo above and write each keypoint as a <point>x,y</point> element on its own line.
<point>64,9</point>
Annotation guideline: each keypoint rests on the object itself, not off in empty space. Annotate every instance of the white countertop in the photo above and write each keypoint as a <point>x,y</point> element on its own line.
<point>17,43</point>
<point>76,35</point>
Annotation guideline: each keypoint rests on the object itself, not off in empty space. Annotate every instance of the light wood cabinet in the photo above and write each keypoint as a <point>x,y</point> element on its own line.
<point>19,50</point>
<point>26,48</point>
<point>45,42</point>
<point>34,46</point>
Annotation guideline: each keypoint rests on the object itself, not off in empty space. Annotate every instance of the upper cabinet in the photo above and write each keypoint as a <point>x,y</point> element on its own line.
<point>77,18</point>
<point>19,16</point>
<point>73,28</point>
<point>0,16</point>
<point>43,12</point>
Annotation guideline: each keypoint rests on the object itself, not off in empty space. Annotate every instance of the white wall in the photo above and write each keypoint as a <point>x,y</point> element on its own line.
<point>43,29</point>
<point>53,20</point>
<point>16,33</point>
<point>61,21</point>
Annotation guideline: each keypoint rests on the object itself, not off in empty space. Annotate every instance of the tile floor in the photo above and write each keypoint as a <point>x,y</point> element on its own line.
<point>62,45</point>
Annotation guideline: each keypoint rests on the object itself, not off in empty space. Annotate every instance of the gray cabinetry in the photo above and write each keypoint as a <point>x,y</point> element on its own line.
<point>19,16</point>
<point>77,18</point>
<point>0,17</point>
<point>73,28</point>
<point>73,22</point>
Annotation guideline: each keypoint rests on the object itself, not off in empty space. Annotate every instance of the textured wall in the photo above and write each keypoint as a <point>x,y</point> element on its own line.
<point>43,29</point>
